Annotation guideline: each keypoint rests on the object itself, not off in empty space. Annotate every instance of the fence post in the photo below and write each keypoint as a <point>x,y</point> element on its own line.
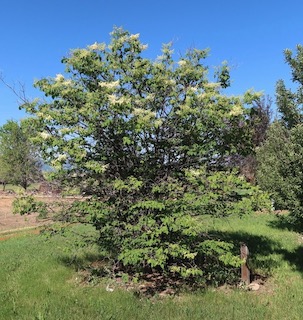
<point>245,272</point>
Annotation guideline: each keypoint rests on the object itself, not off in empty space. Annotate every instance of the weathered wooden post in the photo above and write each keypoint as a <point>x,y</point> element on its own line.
<point>245,272</point>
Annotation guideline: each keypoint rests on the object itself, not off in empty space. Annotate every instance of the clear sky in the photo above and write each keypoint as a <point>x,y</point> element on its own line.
<point>250,35</point>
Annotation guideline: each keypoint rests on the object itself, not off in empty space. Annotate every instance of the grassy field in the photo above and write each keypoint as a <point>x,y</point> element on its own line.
<point>38,280</point>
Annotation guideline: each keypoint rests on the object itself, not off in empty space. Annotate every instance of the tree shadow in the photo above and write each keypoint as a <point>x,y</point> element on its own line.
<point>82,261</point>
<point>286,222</point>
<point>295,258</point>
<point>261,248</point>
<point>265,254</point>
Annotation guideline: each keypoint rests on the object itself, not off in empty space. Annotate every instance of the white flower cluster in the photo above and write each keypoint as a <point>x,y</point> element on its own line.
<point>48,117</point>
<point>61,157</point>
<point>170,82</point>
<point>120,100</point>
<point>182,63</point>
<point>144,113</point>
<point>134,36</point>
<point>212,85</point>
<point>109,85</point>
<point>144,46</point>
<point>94,46</point>
<point>97,46</point>
<point>236,110</point>
<point>192,89</point>
<point>195,172</point>
<point>45,135</point>
<point>68,82</point>
<point>59,77</point>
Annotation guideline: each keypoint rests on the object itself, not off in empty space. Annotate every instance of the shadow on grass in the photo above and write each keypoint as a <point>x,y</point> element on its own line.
<point>265,254</point>
<point>82,261</point>
<point>262,260</point>
<point>295,258</point>
<point>286,222</point>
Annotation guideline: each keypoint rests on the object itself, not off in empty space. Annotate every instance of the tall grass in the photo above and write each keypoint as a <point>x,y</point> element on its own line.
<point>38,280</point>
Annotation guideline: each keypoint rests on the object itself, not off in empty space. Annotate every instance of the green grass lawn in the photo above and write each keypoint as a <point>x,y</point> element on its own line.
<point>39,282</point>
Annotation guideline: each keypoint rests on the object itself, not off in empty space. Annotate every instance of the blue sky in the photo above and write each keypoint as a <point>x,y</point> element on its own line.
<point>250,35</point>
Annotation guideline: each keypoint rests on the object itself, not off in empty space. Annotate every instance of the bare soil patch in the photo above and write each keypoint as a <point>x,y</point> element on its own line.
<point>11,222</point>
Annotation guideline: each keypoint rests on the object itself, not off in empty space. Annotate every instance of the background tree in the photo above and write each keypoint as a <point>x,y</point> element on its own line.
<point>289,103</point>
<point>19,159</point>
<point>280,157</point>
<point>275,165</point>
<point>144,138</point>
<point>4,172</point>
<point>258,120</point>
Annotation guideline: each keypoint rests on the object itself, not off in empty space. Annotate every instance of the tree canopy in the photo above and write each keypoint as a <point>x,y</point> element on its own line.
<point>151,143</point>
<point>119,113</point>
<point>289,102</point>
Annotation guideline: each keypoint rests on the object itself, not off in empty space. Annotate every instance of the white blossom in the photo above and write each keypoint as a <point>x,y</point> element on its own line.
<point>134,36</point>
<point>144,113</point>
<point>45,135</point>
<point>93,46</point>
<point>109,85</point>
<point>236,111</point>
<point>59,77</point>
<point>144,46</point>
<point>124,100</point>
<point>182,63</point>
<point>170,82</point>
<point>195,172</point>
<point>48,117</point>
<point>150,97</point>
<point>68,82</point>
<point>61,157</point>
<point>212,85</point>
<point>120,100</point>
<point>192,89</point>
<point>112,98</point>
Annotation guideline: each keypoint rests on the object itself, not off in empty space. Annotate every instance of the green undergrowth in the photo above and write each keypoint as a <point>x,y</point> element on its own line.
<point>42,278</point>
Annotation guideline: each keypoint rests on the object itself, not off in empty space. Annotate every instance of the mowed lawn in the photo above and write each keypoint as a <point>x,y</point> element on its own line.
<point>41,278</point>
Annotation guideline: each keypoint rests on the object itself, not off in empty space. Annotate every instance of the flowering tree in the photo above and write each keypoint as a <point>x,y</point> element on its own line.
<point>142,137</point>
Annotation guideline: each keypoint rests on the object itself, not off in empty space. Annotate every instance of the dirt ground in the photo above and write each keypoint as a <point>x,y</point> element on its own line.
<point>10,221</point>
